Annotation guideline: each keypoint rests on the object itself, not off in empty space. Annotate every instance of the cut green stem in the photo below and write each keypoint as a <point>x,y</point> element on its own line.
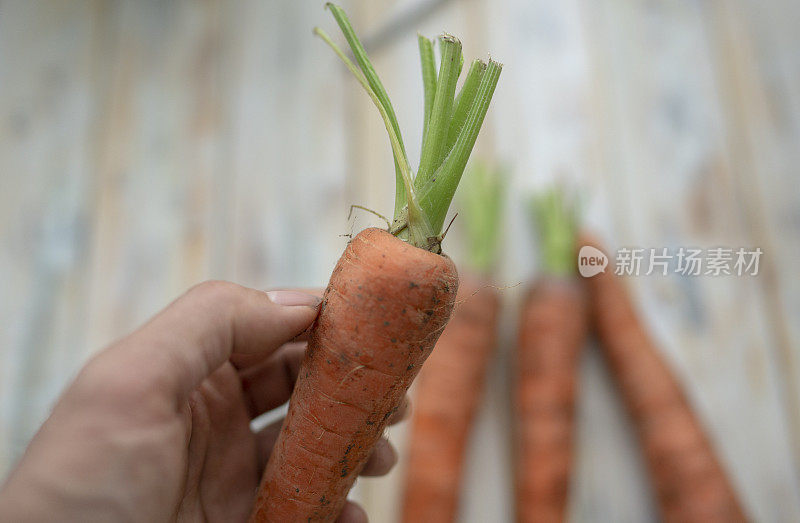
<point>464,100</point>
<point>435,138</point>
<point>428,78</point>
<point>436,195</point>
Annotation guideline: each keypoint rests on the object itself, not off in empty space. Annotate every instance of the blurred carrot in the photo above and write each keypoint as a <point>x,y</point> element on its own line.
<point>690,483</point>
<point>448,393</point>
<point>552,331</point>
<point>450,385</point>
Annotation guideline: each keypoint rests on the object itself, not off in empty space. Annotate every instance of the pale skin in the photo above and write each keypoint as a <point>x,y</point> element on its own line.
<point>156,427</point>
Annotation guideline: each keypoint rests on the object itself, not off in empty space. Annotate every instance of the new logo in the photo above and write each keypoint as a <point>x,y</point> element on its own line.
<point>591,261</point>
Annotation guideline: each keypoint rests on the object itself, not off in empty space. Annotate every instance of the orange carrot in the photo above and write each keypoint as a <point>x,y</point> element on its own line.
<point>447,396</point>
<point>383,310</point>
<point>690,483</point>
<point>552,331</point>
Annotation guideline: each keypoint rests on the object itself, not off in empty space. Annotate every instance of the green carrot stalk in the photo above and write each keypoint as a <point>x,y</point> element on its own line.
<point>556,221</point>
<point>482,199</point>
<point>450,129</point>
<point>436,136</point>
<point>428,78</point>
<point>375,85</point>
<point>464,101</point>
<point>436,195</point>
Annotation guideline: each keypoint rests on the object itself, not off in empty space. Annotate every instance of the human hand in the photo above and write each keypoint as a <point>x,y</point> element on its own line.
<point>157,426</point>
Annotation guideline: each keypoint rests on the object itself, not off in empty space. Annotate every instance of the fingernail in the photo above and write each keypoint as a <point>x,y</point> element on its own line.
<point>293,298</point>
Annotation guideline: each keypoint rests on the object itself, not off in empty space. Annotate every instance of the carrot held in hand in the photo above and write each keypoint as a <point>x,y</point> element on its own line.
<point>690,483</point>
<point>385,305</point>
<point>552,331</point>
<point>388,300</point>
<point>450,385</point>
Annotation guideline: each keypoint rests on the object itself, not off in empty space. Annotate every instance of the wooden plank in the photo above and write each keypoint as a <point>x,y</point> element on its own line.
<point>667,152</point>
<point>762,98</point>
<point>487,489</point>
<point>605,453</point>
<point>46,114</point>
<point>156,161</point>
<point>286,147</point>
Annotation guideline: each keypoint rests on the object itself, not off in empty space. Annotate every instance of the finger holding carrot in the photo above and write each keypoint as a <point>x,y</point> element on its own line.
<point>157,426</point>
<point>389,297</point>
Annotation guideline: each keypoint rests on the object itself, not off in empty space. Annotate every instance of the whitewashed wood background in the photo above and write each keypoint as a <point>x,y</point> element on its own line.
<point>148,145</point>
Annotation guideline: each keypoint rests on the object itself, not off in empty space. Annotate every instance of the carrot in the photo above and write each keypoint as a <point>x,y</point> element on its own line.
<point>385,305</point>
<point>449,388</point>
<point>552,332</point>
<point>689,480</point>
<point>553,325</point>
<point>389,298</point>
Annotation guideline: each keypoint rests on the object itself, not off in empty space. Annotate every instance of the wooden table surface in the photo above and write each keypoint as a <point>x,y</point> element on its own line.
<point>146,146</point>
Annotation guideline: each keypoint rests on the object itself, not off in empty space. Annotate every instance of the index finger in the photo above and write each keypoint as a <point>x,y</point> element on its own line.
<point>243,361</point>
<point>199,331</point>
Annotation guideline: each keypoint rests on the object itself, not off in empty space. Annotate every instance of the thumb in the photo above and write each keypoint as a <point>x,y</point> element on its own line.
<point>202,329</point>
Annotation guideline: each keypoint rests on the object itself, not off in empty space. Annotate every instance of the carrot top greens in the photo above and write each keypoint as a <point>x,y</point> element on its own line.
<point>555,218</point>
<point>482,200</point>
<point>451,125</point>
